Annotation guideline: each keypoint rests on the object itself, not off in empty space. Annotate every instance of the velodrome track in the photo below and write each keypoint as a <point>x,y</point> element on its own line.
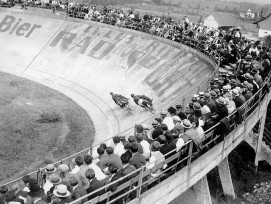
<point>86,60</point>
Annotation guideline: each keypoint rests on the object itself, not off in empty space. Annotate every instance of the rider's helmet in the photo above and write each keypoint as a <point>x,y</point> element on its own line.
<point>132,95</point>
<point>111,93</point>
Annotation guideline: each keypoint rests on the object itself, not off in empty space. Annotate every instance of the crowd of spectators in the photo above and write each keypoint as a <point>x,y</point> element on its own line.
<point>246,65</point>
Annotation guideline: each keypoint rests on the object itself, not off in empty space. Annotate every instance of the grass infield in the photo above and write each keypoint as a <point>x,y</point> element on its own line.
<point>38,126</point>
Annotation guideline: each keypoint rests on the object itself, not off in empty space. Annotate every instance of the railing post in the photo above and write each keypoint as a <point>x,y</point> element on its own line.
<point>190,153</point>
<point>140,181</point>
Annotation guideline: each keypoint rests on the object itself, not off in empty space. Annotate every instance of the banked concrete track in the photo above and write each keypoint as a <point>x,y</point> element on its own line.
<point>87,60</point>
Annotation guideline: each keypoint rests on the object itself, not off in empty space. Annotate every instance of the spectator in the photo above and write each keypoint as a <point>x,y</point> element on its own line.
<point>77,192</point>
<point>145,145</point>
<point>156,161</point>
<point>138,160</point>
<point>89,164</point>
<point>79,162</point>
<point>119,148</point>
<point>21,195</point>
<point>54,180</point>
<point>62,195</point>
<point>36,193</point>
<point>111,159</point>
<point>94,184</point>
<point>49,170</point>
<point>157,130</point>
<point>127,152</point>
<point>190,133</point>
<point>132,140</point>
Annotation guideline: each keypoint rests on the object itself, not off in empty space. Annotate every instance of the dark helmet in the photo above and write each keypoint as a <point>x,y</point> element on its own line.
<point>111,93</point>
<point>132,95</point>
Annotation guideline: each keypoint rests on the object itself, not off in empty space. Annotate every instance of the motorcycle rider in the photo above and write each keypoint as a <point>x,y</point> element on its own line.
<point>142,101</point>
<point>119,99</point>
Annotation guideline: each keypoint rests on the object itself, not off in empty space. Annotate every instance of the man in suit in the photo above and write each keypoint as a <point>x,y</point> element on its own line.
<point>132,139</point>
<point>157,130</point>
<point>238,100</point>
<point>138,160</point>
<point>77,192</point>
<point>94,184</point>
<point>127,168</point>
<point>111,159</point>
<point>127,152</point>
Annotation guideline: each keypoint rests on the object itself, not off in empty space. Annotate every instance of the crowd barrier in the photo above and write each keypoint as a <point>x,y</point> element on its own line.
<point>142,179</point>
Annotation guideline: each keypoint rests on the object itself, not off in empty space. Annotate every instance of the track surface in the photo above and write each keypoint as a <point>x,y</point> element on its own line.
<point>86,61</point>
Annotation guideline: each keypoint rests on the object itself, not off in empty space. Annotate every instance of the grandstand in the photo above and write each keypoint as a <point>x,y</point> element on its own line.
<point>191,51</point>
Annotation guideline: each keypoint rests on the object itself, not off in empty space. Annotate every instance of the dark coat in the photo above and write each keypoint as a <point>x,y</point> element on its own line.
<point>222,112</point>
<point>157,132</point>
<point>128,153</point>
<point>93,186</point>
<point>111,159</point>
<point>79,192</point>
<point>239,101</point>
<point>138,160</point>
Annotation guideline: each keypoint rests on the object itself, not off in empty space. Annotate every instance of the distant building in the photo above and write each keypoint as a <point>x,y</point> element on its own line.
<point>219,20</point>
<point>249,11</point>
<point>264,26</point>
<point>248,15</point>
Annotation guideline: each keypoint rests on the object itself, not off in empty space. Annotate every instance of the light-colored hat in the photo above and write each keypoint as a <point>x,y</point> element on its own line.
<point>221,100</point>
<point>50,168</point>
<point>176,118</point>
<point>63,168</point>
<point>186,124</point>
<point>61,191</point>
<point>55,179</point>
<point>235,92</point>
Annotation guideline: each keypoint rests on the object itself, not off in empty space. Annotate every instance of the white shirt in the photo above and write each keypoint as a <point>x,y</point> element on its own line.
<point>146,148</point>
<point>169,122</point>
<point>75,169</point>
<point>98,172</point>
<point>47,186</point>
<point>205,109</point>
<point>119,149</point>
<point>179,144</point>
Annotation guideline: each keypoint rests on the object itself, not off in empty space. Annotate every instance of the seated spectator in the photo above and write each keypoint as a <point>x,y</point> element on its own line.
<point>157,130</point>
<point>53,181</point>
<point>190,133</point>
<point>111,159</point>
<point>10,198</point>
<point>89,164</point>
<point>94,184</point>
<point>127,152</point>
<point>50,169</point>
<point>113,177</point>
<point>22,194</point>
<point>36,193</point>
<point>102,154</point>
<point>62,195</point>
<point>78,163</point>
<point>138,160</point>
<point>132,140</point>
<point>77,192</point>
<point>156,160</point>
<point>119,148</point>
<point>145,145</point>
